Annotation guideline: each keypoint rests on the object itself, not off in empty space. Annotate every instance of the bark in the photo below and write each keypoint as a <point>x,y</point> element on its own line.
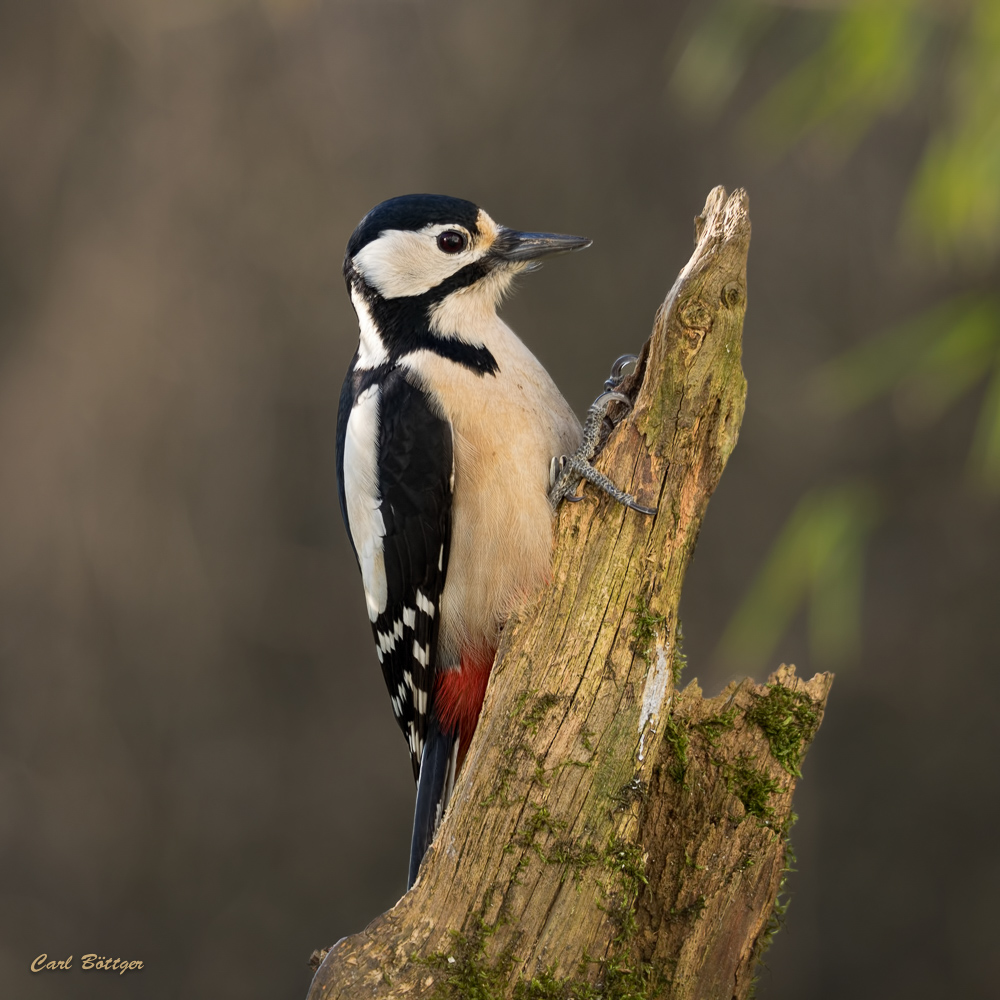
<point>612,836</point>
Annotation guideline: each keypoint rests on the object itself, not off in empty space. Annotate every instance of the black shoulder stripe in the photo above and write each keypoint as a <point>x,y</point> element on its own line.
<point>478,359</point>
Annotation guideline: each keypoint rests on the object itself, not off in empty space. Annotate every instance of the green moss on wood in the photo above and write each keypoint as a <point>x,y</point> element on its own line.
<point>646,626</point>
<point>571,855</point>
<point>537,711</point>
<point>467,972</point>
<point>675,736</point>
<point>532,709</point>
<point>713,727</point>
<point>751,786</point>
<point>689,862</point>
<point>618,978</point>
<point>574,858</point>
<point>628,862</point>
<point>789,719</point>
<point>625,863</point>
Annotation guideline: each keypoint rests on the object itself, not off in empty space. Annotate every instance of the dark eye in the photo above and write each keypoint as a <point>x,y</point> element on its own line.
<point>451,241</point>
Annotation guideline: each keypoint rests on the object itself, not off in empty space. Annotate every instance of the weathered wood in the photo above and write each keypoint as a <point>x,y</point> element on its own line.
<point>607,833</point>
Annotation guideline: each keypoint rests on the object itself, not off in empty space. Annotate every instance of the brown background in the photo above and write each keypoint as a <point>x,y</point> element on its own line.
<point>198,764</point>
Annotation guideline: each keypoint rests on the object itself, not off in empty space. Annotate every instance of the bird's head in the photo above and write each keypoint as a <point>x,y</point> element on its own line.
<point>432,259</point>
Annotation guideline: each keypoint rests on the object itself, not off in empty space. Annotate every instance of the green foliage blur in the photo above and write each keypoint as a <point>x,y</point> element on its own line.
<point>858,63</point>
<point>818,557</point>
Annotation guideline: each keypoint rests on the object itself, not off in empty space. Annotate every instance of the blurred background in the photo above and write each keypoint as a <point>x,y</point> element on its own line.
<point>198,763</point>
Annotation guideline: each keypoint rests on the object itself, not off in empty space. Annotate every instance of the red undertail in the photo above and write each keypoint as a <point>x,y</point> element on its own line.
<point>459,694</point>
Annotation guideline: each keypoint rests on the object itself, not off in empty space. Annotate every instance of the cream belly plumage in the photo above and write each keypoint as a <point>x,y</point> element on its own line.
<point>501,539</point>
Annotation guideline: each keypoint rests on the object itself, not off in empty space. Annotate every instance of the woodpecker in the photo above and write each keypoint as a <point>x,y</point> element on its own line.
<point>453,447</point>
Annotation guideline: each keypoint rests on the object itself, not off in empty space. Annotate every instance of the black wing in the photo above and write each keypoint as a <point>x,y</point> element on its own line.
<point>414,498</point>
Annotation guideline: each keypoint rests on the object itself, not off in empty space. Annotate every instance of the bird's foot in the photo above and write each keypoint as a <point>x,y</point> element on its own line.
<point>566,471</point>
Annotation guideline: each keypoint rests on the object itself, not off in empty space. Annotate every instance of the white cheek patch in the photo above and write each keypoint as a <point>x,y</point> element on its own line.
<point>401,262</point>
<point>363,502</point>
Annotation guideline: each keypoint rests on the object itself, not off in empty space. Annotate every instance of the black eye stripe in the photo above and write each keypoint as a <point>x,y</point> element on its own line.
<point>451,241</point>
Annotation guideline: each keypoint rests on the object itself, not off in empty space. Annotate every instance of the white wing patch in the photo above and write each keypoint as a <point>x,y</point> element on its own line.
<point>361,491</point>
<point>387,640</point>
<point>425,605</point>
<point>415,740</point>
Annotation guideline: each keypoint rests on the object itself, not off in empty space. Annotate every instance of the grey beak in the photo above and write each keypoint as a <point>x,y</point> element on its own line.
<point>513,245</point>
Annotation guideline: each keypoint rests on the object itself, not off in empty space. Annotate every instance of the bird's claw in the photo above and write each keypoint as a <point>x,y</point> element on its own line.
<point>568,470</point>
<point>608,397</point>
<point>618,370</point>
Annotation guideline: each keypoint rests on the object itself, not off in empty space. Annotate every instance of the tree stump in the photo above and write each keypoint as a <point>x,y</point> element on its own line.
<point>611,835</point>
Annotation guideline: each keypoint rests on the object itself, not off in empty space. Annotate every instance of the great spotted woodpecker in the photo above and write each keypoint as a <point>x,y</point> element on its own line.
<point>450,437</point>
